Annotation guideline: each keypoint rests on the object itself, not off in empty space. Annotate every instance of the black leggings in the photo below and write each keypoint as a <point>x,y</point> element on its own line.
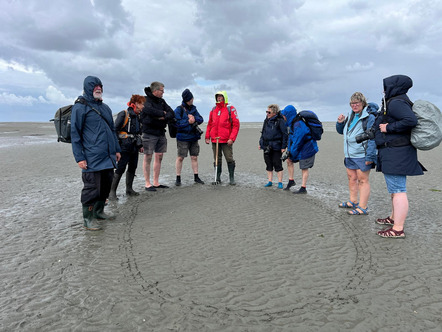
<point>127,158</point>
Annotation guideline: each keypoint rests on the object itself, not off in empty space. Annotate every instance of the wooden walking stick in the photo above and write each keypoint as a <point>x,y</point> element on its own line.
<point>216,161</point>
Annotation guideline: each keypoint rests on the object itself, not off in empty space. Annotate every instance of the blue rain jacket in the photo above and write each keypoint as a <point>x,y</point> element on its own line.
<point>92,139</point>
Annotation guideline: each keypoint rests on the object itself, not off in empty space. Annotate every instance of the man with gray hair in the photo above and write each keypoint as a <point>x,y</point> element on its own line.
<point>154,117</point>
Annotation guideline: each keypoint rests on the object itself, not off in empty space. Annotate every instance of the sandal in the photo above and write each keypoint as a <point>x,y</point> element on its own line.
<point>391,233</point>
<point>355,212</point>
<point>348,205</point>
<point>385,221</point>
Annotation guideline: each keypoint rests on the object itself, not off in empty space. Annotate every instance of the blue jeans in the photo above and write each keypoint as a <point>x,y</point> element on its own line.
<point>396,183</point>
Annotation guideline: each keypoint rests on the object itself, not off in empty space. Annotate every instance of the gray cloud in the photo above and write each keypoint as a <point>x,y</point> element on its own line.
<point>312,54</point>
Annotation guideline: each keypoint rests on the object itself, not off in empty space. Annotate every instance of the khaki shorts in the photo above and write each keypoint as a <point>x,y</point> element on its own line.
<point>184,147</point>
<point>152,143</point>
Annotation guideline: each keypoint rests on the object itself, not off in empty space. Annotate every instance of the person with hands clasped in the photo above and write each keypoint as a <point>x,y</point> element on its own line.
<point>188,134</point>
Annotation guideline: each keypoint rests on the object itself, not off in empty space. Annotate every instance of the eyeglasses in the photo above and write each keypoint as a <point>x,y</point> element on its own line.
<point>161,90</point>
<point>268,112</point>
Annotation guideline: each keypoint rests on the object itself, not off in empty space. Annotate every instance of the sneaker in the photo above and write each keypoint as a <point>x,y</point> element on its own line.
<point>269,184</point>
<point>301,190</point>
<point>290,184</point>
<point>280,185</point>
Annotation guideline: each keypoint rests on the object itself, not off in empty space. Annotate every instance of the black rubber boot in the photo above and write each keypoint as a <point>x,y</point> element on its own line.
<point>231,167</point>
<point>99,211</point>
<point>218,173</point>
<point>178,180</point>
<point>88,219</point>
<point>115,182</point>
<point>129,182</point>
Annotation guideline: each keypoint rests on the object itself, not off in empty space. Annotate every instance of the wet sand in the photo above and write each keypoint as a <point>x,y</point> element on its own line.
<point>212,258</point>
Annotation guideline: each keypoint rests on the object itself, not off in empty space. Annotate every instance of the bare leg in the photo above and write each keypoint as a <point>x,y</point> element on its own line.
<point>156,168</point>
<point>400,210</point>
<point>280,175</point>
<point>179,165</point>
<point>270,176</point>
<point>290,169</point>
<point>194,163</point>
<point>304,177</point>
<point>146,169</point>
<point>364,188</point>
<point>353,184</point>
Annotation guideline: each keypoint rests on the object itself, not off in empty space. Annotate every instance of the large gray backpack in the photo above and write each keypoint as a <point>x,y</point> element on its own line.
<point>428,132</point>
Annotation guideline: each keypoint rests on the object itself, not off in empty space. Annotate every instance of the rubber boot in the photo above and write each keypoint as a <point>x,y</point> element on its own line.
<point>218,173</point>
<point>114,186</point>
<point>99,211</point>
<point>88,219</point>
<point>231,167</point>
<point>129,181</point>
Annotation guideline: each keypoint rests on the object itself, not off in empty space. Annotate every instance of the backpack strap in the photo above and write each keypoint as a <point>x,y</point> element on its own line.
<point>124,134</point>
<point>229,108</point>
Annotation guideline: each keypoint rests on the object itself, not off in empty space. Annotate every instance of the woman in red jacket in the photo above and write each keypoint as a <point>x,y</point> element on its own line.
<point>223,125</point>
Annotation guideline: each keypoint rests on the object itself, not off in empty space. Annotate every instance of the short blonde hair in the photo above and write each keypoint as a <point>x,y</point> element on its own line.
<point>358,97</point>
<point>274,108</point>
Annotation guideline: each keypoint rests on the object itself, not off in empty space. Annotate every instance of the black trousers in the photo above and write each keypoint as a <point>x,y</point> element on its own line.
<point>127,158</point>
<point>96,187</point>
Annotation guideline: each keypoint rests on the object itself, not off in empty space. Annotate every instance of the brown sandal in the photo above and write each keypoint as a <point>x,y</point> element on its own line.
<point>385,221</point>
<point>391,233</point>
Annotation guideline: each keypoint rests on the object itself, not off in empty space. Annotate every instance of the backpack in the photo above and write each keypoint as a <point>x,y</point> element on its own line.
<point>62,122</point>
<point>428,132</point>
<point>312,122</point>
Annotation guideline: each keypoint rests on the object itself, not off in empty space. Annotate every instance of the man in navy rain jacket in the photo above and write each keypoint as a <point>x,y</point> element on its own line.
<point>96,149</point>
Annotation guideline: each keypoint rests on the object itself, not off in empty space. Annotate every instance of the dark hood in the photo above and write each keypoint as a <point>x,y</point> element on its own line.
<point>148,92</point>
<point>396,85</point>
<point>89,84</point>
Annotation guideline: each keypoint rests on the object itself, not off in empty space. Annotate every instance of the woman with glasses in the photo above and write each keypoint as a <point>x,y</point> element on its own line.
<point>360,157</point>
<point>273,142</point>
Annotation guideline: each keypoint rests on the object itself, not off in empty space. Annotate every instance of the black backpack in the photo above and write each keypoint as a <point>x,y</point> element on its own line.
<point>62,122</point>
<point>312,122</point>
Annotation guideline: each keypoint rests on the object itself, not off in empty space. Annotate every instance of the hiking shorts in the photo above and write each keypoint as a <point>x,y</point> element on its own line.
<point>357,163</point>
<point>396,183</point>
<point>184,147</point>
<point>307,163</point>
<point>152,143</point>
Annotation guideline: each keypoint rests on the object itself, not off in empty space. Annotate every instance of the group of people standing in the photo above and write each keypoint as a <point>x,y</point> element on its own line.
<point>99,145</point>
<point>381,139</point>
<point>280,132</point>
<point>372,138</point>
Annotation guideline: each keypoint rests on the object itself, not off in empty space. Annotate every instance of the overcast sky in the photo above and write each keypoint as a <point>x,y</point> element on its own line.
<point>312,54</point>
